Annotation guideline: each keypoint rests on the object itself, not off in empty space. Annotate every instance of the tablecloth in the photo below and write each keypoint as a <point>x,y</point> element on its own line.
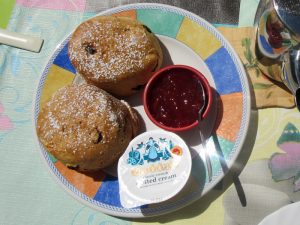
<point>28,193</point>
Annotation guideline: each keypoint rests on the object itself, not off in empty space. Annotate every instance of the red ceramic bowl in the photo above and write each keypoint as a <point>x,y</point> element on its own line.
<point>173,97</point>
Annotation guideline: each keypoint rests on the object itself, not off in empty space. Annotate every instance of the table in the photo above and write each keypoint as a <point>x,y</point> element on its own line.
<point>28,193</point>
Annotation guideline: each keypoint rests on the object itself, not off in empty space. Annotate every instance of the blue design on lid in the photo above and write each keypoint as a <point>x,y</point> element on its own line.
<point>151,151</point>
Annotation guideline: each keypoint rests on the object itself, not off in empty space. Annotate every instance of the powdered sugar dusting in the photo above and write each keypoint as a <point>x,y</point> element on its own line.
<point>117,48</point>
<point>73,114</point>
<point>53,122</point>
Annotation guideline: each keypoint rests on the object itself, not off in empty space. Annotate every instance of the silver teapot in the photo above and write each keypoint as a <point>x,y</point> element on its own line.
<point>283,29</point>
<point>288,12</point>
<point>285,17</point>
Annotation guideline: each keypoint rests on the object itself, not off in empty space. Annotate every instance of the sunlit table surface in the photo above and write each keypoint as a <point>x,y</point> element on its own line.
<point>266,175</point>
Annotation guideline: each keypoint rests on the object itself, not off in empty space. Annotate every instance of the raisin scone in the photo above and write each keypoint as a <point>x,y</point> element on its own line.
<point>85,127</point>
<point>116,54</point>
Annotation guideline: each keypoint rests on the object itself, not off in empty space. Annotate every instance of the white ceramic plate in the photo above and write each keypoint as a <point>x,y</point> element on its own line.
<point>186,39</point>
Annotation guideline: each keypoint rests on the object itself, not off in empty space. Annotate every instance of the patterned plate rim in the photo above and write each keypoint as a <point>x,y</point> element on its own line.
<point>159,210</point>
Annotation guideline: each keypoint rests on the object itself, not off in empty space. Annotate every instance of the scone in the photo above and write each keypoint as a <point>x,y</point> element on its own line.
<point>116,54</point>
<point>85,127</point>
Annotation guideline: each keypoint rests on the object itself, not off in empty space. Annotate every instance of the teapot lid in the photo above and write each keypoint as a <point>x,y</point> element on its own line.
<point>289,13</point>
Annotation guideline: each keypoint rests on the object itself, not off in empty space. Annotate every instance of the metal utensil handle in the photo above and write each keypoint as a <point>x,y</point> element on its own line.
<point>207,158</point>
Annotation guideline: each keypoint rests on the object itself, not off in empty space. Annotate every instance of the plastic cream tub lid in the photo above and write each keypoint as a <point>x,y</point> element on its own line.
<point>155,166</point>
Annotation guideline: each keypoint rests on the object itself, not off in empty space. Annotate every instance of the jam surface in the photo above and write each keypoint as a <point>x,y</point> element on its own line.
<point>175,98</point>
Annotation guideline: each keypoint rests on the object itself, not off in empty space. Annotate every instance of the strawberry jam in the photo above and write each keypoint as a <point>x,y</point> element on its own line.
<point>175,98</point>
